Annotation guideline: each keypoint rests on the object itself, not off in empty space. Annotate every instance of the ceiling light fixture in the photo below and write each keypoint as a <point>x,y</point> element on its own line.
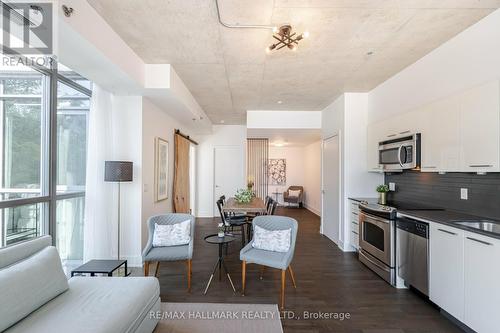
<point>286,37</point>
<point>279,102</point>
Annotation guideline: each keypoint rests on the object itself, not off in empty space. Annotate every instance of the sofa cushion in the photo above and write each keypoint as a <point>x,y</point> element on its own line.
<point>171,234</point>
<point>23,250</point>
<point>28,284</point>
<point>96,304</point>
<point>271,240</point>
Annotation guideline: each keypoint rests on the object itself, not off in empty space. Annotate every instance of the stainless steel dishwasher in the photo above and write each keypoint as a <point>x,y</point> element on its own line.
<point>413,253</point>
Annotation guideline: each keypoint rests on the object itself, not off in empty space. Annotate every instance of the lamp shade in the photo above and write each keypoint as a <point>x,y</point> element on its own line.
<point>118,171</point>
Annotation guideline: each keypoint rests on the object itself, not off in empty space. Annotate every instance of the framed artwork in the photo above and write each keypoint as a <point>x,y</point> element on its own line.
<point>277,171</point>
<point>161,169</point>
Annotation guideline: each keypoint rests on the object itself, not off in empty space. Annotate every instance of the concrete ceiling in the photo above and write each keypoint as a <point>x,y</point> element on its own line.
<point>229,72</point>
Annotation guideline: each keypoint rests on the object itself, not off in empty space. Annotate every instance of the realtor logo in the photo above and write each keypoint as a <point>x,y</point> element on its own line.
<point>27,28</point>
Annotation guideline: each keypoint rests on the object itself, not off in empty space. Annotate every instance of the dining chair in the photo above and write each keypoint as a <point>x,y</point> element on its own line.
<point>168,253</point>
<point>278,260</point>
<point>271,209</point>
<point>232,221</point>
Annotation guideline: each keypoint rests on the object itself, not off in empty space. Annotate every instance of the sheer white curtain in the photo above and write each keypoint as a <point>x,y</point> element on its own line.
<point>99,236</point>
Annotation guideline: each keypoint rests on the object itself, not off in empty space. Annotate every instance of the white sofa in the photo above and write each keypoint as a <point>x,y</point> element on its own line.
<point>35,295</point>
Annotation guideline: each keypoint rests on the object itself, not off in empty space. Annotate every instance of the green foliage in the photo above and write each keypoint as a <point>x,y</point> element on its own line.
<point>382,188</point>
<point>244,196</point>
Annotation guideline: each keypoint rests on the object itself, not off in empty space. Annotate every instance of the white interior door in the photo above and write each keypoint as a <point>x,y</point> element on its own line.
<point>331,188</point>
<point>228,172</point>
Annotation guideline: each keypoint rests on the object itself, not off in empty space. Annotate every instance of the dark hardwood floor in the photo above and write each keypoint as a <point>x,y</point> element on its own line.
<point>328,281</point>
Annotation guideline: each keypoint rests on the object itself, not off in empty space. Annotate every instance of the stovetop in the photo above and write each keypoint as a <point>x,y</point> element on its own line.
<point>389,211</point>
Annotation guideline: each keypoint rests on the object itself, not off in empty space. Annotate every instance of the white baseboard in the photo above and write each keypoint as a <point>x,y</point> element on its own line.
<point>312,209</point>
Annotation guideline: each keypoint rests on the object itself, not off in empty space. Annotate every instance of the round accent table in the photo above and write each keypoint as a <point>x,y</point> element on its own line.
<point>221,241</point>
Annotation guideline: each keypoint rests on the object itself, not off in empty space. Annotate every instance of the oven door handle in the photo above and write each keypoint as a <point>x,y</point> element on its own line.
<point>375,218</point>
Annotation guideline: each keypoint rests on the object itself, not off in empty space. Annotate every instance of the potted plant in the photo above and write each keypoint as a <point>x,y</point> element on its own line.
<point>244,196</point>
<point>221,230</point>
<point>382,191</point>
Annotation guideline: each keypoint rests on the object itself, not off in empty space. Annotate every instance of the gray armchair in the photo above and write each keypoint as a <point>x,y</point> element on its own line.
<point>168,253</point>
<point>295,200</point>
<point>278,260</point>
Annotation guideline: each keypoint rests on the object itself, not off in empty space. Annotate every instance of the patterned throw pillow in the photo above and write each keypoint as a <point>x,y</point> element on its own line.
<point>271,240</point>
<point>172,234</point>
<point>293,193</point>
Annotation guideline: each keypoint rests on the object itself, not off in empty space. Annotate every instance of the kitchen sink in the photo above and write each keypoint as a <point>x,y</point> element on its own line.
<point>485,225</point>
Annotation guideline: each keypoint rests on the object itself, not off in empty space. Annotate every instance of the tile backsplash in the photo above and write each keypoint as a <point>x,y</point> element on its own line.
<point>444,191</point>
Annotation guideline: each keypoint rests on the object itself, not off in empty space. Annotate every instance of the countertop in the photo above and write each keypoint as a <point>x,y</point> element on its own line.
<point>446,217</point>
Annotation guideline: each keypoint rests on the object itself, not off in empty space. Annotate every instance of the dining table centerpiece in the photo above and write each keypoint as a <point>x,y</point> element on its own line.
<point>243,196</point>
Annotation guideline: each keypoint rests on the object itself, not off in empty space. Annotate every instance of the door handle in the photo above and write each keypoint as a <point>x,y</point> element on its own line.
<point>399,155</point>
<point>479,241</point>
<point>481,166</point>
<point>447,232</point>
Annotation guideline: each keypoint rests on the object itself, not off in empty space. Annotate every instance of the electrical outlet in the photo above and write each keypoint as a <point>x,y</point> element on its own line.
<point>464,194</point>
<point>392,187</point>
<point>145,188</point>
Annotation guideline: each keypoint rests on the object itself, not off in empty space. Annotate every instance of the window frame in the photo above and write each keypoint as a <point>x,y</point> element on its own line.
<point>48,181</point>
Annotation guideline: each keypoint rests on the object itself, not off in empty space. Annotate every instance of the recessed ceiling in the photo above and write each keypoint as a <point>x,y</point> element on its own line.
<point>286,137</point>
<point>229,72</point>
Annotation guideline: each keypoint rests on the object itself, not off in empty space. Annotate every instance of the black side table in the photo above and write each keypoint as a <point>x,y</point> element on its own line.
<point>94,267</point>
<point>214,239</point>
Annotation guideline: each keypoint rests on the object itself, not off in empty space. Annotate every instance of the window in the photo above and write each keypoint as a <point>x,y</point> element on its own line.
<point>42,176</point>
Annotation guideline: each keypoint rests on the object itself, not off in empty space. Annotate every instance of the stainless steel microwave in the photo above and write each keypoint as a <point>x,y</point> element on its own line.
<point>400,153</point>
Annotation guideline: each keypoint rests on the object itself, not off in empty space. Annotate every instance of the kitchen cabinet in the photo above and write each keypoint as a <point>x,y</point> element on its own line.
<point>460,133</point>
<point>482,290</point>
<point>440,139</point>
<point>374,136</point>
<point>480,128</point>
<point>354,224</point>
<point>446,285</point>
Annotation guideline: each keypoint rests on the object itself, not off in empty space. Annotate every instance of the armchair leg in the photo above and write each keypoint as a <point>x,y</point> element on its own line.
<point>189,275</point>
<point>292,276</point>
<point>283,276</point>
<point>146,268</point>
<point>157,267</point>
<point>243,276</point>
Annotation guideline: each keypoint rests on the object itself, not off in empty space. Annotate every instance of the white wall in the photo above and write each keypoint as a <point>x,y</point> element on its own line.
<point>127,138</point>
<point>155,123</point>
<point>469,59</point>
<point>303,168</point>
<point>312,177</point>
<point>223,135</point>
<point>348,116</point>
<point>294,168</point>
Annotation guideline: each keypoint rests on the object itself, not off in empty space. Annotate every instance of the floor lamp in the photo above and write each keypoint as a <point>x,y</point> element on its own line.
<point>118,172</point>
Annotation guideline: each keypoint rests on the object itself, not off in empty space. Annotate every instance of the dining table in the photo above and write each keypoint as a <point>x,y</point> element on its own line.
<point>256,206</point>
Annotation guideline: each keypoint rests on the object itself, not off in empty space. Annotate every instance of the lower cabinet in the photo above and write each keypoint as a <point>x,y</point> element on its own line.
<point>446,287</point>
<point>482,286</point>
<point>465,275</point>
<point>354,224</point>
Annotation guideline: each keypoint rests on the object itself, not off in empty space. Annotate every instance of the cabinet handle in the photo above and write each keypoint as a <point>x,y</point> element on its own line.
<point>354,232</point>
<point>448,232</point>
<point>429,167</point>
<point>356,223</point>
<point>354,213</point>
<point>391,135</point>
<point>404,132</point>
<point>481,166</point>
<point>479,241</point>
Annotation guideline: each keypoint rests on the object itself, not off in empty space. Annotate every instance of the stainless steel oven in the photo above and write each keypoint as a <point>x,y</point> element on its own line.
<point>377,240</point>
<point>400,153</point>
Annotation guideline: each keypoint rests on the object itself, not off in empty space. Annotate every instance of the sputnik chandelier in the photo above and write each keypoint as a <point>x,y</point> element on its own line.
<point>283,34</point>
<point>286,37</point>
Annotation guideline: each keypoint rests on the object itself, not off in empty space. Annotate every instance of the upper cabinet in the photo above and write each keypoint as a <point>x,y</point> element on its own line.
<point>440,147</point>
<point>460,133</point>
<point>480,128</point>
